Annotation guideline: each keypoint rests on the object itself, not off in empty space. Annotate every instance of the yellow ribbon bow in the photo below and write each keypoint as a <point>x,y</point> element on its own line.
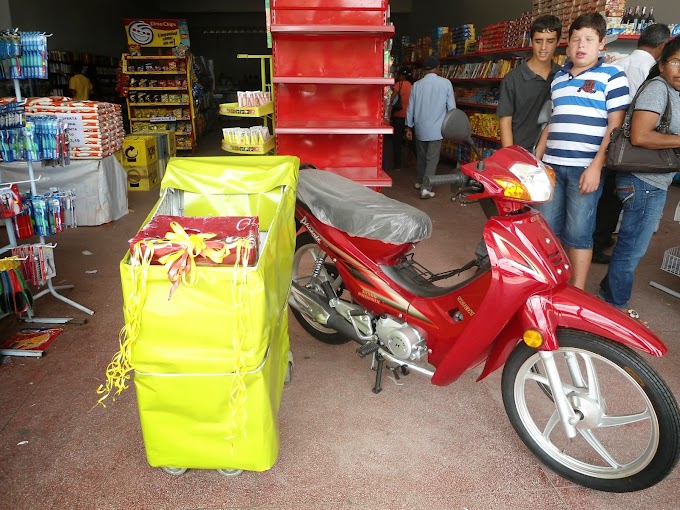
<point>181,263</point>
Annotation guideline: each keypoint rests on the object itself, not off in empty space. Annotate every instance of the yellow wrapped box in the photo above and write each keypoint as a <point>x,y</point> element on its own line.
<point>210,362</point>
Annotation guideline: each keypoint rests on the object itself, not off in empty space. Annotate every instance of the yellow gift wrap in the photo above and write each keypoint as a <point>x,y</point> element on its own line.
<point>210,361</point>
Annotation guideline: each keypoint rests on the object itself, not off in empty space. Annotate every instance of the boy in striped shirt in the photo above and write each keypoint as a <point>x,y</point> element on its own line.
<point>589,99</point>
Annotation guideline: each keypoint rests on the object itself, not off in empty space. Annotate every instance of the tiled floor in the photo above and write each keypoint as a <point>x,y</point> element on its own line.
<point>413,446</point>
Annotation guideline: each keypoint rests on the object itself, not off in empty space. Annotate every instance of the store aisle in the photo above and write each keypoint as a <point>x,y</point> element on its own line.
<point>413,446</point>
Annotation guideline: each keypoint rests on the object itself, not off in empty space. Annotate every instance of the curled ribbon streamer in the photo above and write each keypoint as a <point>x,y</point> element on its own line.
<point>181,263</point>
<point>238,391</point>
<point>118,370</point>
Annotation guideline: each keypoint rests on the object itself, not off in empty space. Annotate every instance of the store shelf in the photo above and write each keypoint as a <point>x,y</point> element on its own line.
<point>158,88</point>
<point>340,80</point>
<point>494,54</point>
<point>477,105</point>
<point>369,176</point>
<point>249,149</point>
<point>159,104</point>
<point>477,80</point>
<point>353,30</point>
<point>489,138</point>
<point>312,127</point>
<point>159,119</point>
<point>234,110</point>
<point>153,57</point>
<point>156,72</point>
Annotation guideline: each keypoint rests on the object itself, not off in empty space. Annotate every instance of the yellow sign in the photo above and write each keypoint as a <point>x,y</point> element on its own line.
<point>156,33</point>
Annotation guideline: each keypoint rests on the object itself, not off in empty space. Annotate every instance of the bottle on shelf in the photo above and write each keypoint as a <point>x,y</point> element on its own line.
<point>642,24</point>
<point>625,21</point>
<point>636,20</point>
<point>650,17</point>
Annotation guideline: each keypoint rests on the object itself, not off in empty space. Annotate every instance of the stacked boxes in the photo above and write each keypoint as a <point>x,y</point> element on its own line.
<point>96,128</point>
<point>166,145</point>
<point>140,160</point>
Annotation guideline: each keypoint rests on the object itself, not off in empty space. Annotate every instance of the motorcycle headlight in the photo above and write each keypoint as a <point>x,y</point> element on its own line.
<point>532,183</point>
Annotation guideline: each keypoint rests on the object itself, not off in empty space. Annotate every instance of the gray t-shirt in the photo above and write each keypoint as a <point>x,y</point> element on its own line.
<point>653,99</point>
<point>522,95</point>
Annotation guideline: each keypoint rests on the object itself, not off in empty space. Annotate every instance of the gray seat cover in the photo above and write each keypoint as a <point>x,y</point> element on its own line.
<point>361,211</point>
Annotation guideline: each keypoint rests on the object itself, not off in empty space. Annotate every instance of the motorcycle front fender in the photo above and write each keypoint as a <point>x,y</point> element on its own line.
<point>569,307</point>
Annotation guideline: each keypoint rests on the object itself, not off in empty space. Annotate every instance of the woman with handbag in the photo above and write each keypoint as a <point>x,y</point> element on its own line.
<point>644,193</point>
<point>401,91</point>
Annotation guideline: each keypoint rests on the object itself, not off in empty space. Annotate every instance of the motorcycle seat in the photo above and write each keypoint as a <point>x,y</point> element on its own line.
<point>359,210</point>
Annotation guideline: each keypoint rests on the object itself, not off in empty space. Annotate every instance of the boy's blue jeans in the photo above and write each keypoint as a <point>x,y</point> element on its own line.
<point>571,214</point>
<point>642,207</point>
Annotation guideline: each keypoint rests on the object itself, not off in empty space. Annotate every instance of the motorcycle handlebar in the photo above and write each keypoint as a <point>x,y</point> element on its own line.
<point>456,179</point>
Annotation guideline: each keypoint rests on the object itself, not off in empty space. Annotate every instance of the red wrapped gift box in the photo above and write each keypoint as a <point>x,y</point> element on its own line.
<point>228,230</point>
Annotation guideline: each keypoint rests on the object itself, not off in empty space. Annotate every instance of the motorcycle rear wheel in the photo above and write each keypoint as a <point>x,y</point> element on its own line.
<point>306,254</point>
<point>628,436</point>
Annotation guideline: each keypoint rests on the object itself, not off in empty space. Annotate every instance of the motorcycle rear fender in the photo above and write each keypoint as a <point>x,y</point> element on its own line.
<point>569,307</point>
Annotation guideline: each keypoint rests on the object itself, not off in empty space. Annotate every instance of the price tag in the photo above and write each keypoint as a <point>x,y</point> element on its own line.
<point>163,119</point>
<point>75,128</point>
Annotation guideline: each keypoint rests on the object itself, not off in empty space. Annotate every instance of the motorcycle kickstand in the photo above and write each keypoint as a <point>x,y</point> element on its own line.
<point>378,374</point>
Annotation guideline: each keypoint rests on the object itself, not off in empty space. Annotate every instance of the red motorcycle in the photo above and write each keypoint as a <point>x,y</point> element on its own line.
<point>576,392</point>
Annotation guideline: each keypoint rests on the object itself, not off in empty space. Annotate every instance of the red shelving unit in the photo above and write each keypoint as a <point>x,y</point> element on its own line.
<point>329,80</point>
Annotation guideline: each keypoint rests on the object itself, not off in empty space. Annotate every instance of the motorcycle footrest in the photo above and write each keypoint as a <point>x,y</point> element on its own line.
<point>367,348</point>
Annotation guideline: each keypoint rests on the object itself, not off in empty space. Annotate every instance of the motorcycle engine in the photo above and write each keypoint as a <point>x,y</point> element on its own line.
<point>400,339</point>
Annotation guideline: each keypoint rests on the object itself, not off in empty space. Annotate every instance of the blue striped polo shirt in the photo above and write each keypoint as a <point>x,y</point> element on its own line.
<point>580,108</point>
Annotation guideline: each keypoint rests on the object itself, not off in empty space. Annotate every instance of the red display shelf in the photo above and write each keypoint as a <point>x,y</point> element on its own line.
<point>387,30</point>
<point>627,37</point>
<point>339,80</point>
<point>313,127</point>
<point>329,82</point>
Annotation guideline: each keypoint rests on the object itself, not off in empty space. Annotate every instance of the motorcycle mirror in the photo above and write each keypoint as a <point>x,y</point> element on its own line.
<point>456,126</point>
<point>544,114</point>
<point>542,122</point>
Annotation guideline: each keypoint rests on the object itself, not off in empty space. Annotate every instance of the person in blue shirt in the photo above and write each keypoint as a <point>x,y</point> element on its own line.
<point>431,98</point>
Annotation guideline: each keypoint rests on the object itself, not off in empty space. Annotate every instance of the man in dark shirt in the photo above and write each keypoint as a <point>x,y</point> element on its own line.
<point>526,88</point>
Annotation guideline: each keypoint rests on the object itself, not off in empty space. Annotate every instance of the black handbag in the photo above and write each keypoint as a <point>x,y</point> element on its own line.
<point>623,156</point>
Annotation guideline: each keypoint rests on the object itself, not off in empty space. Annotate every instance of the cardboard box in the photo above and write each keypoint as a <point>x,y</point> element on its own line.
<point>144,180</point>
<point>139,150</point>
<point>166,142</point>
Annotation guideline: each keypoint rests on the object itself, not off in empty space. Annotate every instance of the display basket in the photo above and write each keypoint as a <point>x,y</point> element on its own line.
<point>209,363</point>
<point>259,149</point>
<point>234,110</point>
<point>671,261</point>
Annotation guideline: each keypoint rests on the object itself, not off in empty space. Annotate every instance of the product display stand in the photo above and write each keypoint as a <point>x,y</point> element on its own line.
<point>51,289</point>
<point>330,74</point>
<point>161,96</point>
<point>265,112</point>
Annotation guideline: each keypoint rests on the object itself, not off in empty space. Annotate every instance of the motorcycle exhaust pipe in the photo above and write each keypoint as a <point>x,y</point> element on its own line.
<point>310,304</point>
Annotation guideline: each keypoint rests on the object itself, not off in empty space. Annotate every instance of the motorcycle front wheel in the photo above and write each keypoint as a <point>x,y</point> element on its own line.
<point>308,256</point>
<point>628,433</point>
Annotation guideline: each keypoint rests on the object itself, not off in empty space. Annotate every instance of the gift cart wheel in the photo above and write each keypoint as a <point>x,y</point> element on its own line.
<point>230,472</point>
<point>174,471</point>
<point>289,369</point>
